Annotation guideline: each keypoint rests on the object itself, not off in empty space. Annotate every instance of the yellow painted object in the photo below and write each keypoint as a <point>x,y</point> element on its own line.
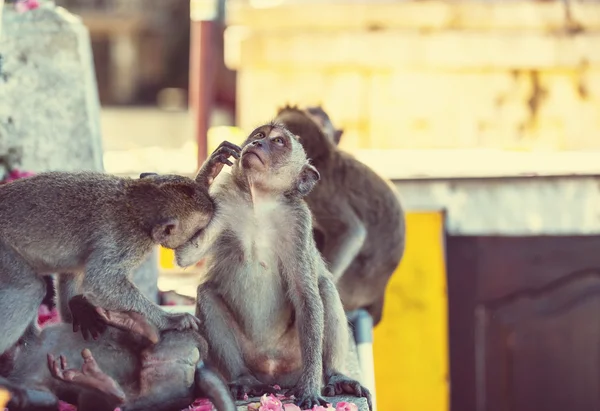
<point>410,345</point>
<point>4,397</point>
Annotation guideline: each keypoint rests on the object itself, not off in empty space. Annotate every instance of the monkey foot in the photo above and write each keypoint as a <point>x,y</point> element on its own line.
<point>338,384</point>
<point>93,320</point>
<point>250,386</point>
<point>90,376</point>
<point>182,321</point>
<point>305,399</point>
<point>86,317</point>
<point>130,321</point>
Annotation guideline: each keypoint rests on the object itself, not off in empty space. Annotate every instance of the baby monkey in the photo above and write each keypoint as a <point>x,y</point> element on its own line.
<point>268,306</point>
<point>122,368</point>
<point>93,229</point>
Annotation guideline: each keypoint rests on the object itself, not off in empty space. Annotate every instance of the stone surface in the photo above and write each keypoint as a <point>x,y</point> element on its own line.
<point>48,99</point>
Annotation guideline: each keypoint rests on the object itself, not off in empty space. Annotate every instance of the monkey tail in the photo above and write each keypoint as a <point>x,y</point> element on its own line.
<point>211,385</point>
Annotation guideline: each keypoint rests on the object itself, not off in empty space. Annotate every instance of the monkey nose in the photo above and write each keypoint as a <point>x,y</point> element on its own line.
<point>257,143</point>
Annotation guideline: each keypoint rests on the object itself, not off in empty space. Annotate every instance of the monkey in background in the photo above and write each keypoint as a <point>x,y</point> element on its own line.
<point>93,229</point>
<point>122,368</point>
<point>359,223</point>
<point>320,117</point>
<point>268,307</point>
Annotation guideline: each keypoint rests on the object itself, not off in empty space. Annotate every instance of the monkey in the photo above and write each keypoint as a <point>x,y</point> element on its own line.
<point>93,229</point>
<point>267,304</point>
<point>119,369</point>
<point>322,119</point>
<point>359,221</point>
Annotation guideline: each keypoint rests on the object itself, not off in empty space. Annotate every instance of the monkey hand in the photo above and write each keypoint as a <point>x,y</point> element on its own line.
<point>213,166</point>
<point>180,322</point>
<point>306,398</point>
<point>86,317</point>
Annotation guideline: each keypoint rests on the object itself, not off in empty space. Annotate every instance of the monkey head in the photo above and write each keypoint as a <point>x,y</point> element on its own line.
<point>274,161</point>
<point>314,140</point>
<point>171,208</point>
<point>320,117</point>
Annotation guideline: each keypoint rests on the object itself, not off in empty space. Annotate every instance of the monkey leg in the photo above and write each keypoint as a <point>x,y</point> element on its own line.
<point>223,335</point>
<point>89,377</point>
<point>21,294</point>
<point>68,285</point>
<point>335,345</point>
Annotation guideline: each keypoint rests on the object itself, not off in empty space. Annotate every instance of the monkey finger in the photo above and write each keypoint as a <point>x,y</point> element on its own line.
<point>222,158</point>
<point>230,145</point>
<point>63,362</point>
<point>50,360</point>
<point>75,326</point>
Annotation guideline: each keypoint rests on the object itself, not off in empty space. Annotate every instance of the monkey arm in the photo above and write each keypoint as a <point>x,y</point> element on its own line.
<point>115,292</point>
<point>345,236</point>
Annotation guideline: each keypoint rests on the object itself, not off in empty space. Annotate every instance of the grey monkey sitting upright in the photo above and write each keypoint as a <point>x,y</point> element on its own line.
<point>269,309</point>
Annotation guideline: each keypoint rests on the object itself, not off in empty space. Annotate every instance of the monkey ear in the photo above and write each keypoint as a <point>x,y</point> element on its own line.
<point>307,179</point>
<point>143,175</point>
<point>337,136</point>
<point>163,231</point>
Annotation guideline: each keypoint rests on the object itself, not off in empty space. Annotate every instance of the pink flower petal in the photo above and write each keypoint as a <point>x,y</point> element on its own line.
<point>255,406</point>
<point>270,403</point>
<point>346,406</point>
<point>63,406</point>
<point>277,387</point>
<point>200,404</point>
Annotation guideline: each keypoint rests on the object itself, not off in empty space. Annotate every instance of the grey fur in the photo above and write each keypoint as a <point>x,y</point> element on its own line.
<point>94,228</point>
<point>166,376</point>
<point>359,221</point>
<point>267,296</point>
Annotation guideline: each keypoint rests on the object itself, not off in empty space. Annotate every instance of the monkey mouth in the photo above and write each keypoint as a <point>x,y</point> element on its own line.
<point>254,153</point>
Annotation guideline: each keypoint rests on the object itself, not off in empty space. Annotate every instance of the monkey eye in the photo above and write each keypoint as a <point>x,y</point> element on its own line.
<point>278,140</point>
<point>260,134</point>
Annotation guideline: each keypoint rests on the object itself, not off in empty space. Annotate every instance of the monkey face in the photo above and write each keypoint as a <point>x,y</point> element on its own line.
<point>271,158</point>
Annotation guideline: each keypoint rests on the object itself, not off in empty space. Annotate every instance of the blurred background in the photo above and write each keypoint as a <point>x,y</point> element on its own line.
<point>485,115</point>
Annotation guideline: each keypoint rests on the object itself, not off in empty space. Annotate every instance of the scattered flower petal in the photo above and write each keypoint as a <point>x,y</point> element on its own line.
<point>270,403</point>
<point>255,406</point>
<point>277,387</point>
<point>47,317</point>
<point>291,407</point>
<point>322,408</point>
<point>246,397</point>
<point>200,404</point>
<point>25,5</point>
<point>63,406</point>
<point>346,406</point>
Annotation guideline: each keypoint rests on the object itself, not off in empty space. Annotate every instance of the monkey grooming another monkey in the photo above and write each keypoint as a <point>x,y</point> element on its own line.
<point>268,307</point>
<point>359,222</point>
<point>120,369</point>
<point>93,229</point>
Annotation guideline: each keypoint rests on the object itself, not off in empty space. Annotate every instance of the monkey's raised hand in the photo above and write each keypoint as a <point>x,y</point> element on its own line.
<point>214,164</point>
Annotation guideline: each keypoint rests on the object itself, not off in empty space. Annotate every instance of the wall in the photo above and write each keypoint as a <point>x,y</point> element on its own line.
<point>511,75</point>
